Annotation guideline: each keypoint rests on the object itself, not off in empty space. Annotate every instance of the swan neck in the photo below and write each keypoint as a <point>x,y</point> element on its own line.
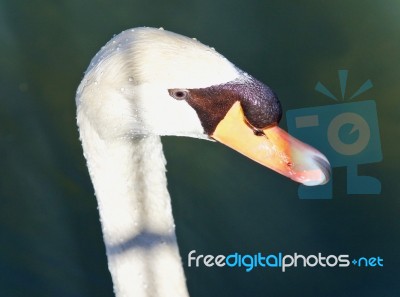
<point>129,178</point>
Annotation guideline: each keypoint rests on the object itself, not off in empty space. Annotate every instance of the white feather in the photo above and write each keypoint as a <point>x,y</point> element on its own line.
<point>122,105</point>
<point>125,88</point>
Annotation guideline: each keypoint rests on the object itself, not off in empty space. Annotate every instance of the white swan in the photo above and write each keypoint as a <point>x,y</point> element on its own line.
<point>149,82</point>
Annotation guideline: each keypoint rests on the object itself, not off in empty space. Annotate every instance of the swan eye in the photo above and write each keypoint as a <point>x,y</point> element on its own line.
<point>179,94</point>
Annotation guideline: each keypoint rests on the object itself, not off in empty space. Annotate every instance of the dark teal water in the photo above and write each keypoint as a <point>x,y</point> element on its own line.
<point>50,239</point>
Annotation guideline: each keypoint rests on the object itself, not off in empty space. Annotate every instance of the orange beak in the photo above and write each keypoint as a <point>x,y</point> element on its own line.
<point>273,148</point>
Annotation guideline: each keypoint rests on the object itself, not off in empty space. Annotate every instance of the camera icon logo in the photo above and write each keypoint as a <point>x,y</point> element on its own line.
<point>347,133</point>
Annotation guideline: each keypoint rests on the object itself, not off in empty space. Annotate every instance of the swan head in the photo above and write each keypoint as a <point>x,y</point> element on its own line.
<point>152,81</point>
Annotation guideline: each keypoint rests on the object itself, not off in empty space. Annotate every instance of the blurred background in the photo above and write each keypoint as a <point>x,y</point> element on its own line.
<point>50,237</point>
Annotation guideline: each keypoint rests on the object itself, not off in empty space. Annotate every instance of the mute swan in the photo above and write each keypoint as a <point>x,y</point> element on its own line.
<point>145,83</point>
